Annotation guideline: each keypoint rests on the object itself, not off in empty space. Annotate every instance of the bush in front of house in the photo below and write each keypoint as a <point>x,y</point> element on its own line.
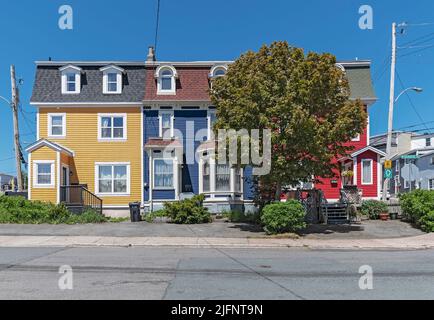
<point>373,208</point>
<point>152,216</point>
<point>18,210</point>
<point>418,206</point>
<point>283,217</point>
<point>241,217</point>
<point>188,211</point>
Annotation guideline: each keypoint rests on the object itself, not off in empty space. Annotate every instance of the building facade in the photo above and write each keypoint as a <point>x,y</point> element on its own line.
<point>142,132</point>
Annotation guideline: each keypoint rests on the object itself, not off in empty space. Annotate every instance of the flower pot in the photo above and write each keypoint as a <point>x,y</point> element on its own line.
<point>394,216</point>
<point>384,216</point>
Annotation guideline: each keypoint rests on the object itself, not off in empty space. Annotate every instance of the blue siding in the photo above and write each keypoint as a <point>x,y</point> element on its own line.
<point>248,184</point>
<point>151,128</point>
<point>163,194</point>
<point>190,172</point>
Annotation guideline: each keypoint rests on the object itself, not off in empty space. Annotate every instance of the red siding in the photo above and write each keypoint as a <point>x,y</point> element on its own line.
<point>192,84</point>
<point>368,190</point>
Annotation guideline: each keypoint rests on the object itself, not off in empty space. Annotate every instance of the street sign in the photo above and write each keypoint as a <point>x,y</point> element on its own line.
<point>388,164</point>
<point>388,174</point>
<point>410,157</point>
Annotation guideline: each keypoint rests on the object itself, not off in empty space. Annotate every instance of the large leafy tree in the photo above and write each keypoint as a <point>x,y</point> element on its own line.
<point>304,99</point>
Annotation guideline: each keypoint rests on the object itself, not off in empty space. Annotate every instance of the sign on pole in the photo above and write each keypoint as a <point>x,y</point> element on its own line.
<point>388,174</point>
<point>388,164</point>
<point>410,157</point>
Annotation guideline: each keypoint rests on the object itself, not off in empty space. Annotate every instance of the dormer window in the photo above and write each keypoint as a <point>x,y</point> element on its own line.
<point>71,79</point>
<point>112,79</point>
<point>218,71</point>
<point>166,80</point>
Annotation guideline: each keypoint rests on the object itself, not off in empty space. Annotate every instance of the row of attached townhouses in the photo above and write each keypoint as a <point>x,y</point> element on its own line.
<point>100,129</point>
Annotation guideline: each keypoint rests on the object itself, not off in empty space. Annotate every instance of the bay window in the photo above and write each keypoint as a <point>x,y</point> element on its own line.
<point>206,173</point>
<point>223,177</point>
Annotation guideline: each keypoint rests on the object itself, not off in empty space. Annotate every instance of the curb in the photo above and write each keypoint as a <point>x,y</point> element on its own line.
<point>423,242</point>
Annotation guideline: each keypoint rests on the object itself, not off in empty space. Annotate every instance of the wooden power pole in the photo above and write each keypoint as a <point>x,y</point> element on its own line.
<point>14,105</point>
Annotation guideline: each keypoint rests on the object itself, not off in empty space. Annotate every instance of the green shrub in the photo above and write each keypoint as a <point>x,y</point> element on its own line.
<point>427,222</point>
<point>283,217</point>
<point>237,216</point>
<point>150,217</point>
<point>373,208</point>
<point>18,210</point>
<point>417,204</point>
<point>188,211</point>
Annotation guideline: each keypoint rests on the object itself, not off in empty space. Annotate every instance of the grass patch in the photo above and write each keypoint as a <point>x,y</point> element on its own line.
<point>18,210</point>
<point>118,219</point>
<point>152,216</point>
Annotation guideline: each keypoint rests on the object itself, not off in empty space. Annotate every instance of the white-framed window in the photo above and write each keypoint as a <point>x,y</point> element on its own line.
<point>218,71</point>
<point>112,178</point>
<point>428,142</point>
<point>57,125</point>
<point>206,177</point>
<point>367,171</point>
<point>112,79</point>
<point>112,127</point>
<point>164,174</point>
<point>71,79</point>
<point>212,118</point>
<point>431,184</point>
<point>238,179</point>
<point>356,138</point>
<point>397,166</point>
<point>223,177</point>
<point>43,174</point>
<point>167,121</point>
<point>166,80</point>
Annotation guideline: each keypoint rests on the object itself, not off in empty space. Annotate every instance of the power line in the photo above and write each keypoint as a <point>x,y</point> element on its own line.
<point>157,26</point>
<point>2,160</point>
<point>410,100</point>
<point>417,51</point>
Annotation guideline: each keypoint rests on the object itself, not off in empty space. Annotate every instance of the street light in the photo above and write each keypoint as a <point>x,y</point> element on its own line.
<point>415,89</point>
<point>389,132</point>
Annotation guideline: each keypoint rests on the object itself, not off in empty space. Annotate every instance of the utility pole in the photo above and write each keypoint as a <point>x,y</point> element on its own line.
<point>391,106</point>
<point>15,102</point>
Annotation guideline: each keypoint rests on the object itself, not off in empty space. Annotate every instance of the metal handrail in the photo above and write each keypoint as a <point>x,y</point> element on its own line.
<point>81,198</point>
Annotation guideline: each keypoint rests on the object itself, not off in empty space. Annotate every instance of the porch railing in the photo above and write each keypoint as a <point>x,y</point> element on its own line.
<point>78,199</point>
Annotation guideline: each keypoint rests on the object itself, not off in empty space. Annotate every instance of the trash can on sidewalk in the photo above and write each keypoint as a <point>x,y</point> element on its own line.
<point>135,212</point>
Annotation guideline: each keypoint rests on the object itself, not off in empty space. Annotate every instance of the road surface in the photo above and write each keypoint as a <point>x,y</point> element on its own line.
<point>183,273</point>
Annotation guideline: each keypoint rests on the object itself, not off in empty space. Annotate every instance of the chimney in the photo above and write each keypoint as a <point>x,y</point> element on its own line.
<point>151,54</point>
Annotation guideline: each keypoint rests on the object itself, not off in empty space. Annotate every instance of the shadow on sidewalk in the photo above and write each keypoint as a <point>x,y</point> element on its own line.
<point>330,229</point>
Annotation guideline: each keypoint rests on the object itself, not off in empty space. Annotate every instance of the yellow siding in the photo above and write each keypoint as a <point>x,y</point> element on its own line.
<point>44,194</point>
<point>82,138</point>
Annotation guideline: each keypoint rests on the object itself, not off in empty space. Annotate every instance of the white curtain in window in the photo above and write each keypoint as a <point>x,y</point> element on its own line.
<point>163,173</point>
<point>223,177</point>
<point>367,171</point>
<point>206,177</point>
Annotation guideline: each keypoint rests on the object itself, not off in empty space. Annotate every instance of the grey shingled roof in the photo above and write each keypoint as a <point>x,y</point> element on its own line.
<point>360,80</point>
<point>47,87</point>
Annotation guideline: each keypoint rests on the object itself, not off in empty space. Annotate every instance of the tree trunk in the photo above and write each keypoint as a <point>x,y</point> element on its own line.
<point>278,191</point>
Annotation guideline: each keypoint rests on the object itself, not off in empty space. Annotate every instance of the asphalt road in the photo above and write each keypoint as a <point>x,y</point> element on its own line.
<point>171,273</point>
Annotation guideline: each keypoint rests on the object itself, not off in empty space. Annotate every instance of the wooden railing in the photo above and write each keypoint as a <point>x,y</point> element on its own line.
<point>78,199</point>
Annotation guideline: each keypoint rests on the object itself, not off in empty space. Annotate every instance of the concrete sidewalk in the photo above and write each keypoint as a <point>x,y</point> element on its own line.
<point>410,243</point>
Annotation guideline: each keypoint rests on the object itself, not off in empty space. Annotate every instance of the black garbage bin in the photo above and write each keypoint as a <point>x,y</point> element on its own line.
<point>135,212</point>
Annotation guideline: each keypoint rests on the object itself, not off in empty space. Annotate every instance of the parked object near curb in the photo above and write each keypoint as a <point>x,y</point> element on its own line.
<point>384,216</point>
<point>393,216</point>
<point>135,212</point>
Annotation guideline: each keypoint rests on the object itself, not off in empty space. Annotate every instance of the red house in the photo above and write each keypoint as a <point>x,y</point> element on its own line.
<point>362,167</point>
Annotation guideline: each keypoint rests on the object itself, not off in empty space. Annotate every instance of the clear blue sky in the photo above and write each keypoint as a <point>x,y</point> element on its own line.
<point>214,30</point>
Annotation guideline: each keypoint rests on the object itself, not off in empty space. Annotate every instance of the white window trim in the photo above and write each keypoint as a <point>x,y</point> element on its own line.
<point>111,194</point>
<point>215,68</point>
<point>174,172</point>
<point>35,174</point>
<point>159,77</point>
<point>172,122</point>
<point>115,115</point>
<point>372,172</point>
<point>429,186</point>
<point>65,72</point>
<point>356,138</point>
<point>210,112</point>
<point>50,125</point>
<point>118,81</point>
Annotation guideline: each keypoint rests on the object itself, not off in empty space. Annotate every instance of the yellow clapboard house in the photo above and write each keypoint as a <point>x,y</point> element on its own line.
<point>89,144</point>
